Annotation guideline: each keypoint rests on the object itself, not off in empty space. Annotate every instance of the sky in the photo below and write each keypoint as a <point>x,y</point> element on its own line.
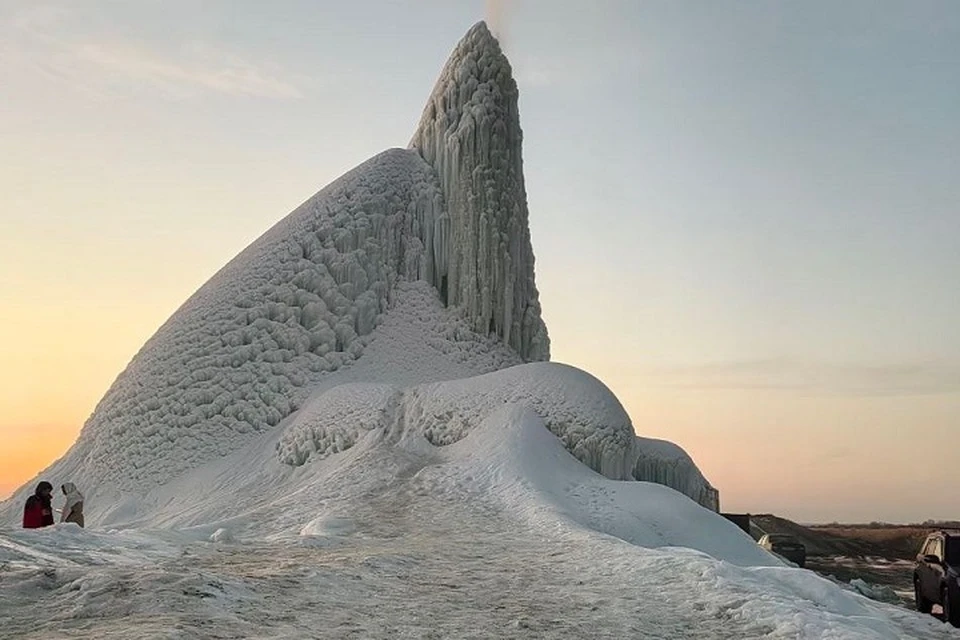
<point>745,215</point>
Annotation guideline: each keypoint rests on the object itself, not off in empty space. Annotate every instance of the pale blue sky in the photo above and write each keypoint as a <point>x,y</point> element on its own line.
<point>745,214</point>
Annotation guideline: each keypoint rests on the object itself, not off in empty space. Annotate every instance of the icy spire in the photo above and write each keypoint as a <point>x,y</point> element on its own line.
<point>470,133</point>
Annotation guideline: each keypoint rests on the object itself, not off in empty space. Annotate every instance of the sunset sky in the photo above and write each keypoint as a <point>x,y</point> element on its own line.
<point>746,215</point>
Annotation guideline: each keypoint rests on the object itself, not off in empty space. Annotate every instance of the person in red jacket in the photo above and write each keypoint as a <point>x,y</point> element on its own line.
<point>38,511</point>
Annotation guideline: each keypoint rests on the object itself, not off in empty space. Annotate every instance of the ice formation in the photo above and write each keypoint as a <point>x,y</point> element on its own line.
<point>372,305</point>
<point>245,351</point>
<point>352,417</point>
<point>576,407</point>
<point>470,133</point>
<point>666,463</point>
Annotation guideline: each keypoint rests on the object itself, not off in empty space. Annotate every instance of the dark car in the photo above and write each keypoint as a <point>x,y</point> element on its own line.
<point>936,578</point>
<point>783,544</point>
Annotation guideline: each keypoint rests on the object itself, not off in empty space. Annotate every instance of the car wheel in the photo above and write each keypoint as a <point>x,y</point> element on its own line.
<point>923,605</point>
<point>951,610</point>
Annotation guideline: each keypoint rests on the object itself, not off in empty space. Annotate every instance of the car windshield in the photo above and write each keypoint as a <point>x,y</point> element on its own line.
<point>953,551</point>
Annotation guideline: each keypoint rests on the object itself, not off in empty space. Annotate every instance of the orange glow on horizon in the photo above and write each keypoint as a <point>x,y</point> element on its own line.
<point>30,448</point>
<point>65,352</point>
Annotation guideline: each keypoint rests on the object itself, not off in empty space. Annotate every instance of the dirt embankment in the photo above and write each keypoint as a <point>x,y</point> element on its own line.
<point>891,541</point>
<point>880,554</point>
<point>817,541</point>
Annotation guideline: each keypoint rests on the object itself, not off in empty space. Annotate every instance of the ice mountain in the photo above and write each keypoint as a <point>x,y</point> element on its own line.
<point>353,430</point>
<point>370,309</point>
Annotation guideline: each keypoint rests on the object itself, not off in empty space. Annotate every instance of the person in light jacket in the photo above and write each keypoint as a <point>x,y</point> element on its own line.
<point>73,507</point>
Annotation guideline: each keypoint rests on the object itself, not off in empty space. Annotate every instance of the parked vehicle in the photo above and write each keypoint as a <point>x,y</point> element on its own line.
<point>936,578</point>
<point>786,545</point>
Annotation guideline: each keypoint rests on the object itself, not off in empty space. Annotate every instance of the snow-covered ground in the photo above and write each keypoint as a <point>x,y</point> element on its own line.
<point>503,534</point>
<point>350,431</point>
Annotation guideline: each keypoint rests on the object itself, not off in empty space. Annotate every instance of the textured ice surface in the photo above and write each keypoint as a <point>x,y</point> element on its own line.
<point>245,351</point>
<point>576,407</point>
<point>470,133</point>
<point>333,422</point>
<point>666,463</point>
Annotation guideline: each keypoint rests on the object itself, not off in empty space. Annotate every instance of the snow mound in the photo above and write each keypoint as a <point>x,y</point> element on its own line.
<point>334,421</point>
<point>666,463</point>
<point>512,458</point>
<point>420,340</point>
<point>576,407</point>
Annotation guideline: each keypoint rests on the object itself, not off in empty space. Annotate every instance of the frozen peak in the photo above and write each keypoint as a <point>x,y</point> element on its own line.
<point>479,30</point>
<point>470,133</point>
<point>479,36</point>
<point>477,74</point>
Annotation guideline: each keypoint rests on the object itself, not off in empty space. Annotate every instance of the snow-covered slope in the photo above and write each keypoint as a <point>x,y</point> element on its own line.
<point>245,351</point>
